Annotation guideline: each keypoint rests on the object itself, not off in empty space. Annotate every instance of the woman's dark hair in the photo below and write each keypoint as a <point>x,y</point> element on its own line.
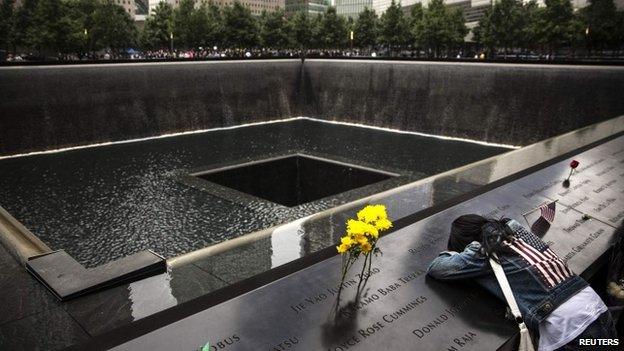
<point>495,233</point>
<point>464,230</point>
<point>489,232</point>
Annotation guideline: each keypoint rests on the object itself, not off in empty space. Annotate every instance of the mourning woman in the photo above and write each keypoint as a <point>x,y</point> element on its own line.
<point>558,307</point>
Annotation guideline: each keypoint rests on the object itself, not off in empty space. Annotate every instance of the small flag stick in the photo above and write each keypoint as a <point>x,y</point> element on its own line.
<point>525,214</point>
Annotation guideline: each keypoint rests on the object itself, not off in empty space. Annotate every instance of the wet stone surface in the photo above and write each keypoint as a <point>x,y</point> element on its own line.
<point>400,308</point>
<point>103,203</point>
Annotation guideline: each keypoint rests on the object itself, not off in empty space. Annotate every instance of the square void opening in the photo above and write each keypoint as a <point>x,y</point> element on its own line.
<point>294,180</point>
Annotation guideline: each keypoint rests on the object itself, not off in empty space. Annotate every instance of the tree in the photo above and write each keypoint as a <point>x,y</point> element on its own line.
<point>6,24</point>
<point>184,29</point>
<point>440,28</point>
<point>316,28</point>
<point>393,27</point>
<point>81,15</point>
<point>193,26</point>
<point>22,22</point>
<point>503,25</point>
<point>557,23</point>
<point>333,32</point>
<point>49,32</point>
<point>199,23</point>
<point>414,20</point>
<point>214,30</point>
<point>365,30</point>
<point>240,27</point>
<point>274,30</point>
<point>112,27</point>
<point>533,35</point>
<point>158,27</point>
<point>301,29</point>
<point>601,19</point>
<point>619,30</point>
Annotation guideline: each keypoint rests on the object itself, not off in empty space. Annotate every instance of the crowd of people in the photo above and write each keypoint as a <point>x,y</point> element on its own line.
<point>214,53</point>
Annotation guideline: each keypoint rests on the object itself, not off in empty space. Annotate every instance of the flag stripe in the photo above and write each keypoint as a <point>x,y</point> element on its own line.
<point>543,261</point>
<point>549,261</point>
<point>551,268</point>
<point>533,263</point>
<point>548,211</point>
<point>561,264</point>
<point>546,265</point>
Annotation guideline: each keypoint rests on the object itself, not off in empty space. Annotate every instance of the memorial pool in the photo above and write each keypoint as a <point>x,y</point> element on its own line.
<point>107,202</point>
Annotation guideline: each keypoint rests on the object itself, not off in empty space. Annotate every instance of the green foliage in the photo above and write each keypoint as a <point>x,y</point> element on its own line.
<point>240,27</point>
<point>619,30</point>
<point>533,32</point>
<point>301,30</point>
<point>22,22</point>
<point>274,30</point>
<point>365,29</point>
<point>415,18</point>
<point>393,27</point>
<point>503,25</point>
<point>81,16</point>
<point>440,28</point>
<point>316,28</point>
<point>78,26</point>
<point>557,23</point>
<point>602,20</point>
<point>333,30</point>
<point>112,28</point>
<point>50,29</point>
<point>214,29</point>
<point>184,26</point>
<point>195,27</point>
<point>6,23</point>
<point>158,27</point>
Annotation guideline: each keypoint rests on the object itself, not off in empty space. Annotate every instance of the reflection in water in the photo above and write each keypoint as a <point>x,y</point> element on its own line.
<point>151,295</point>
<point>129,197</point>
<point>287,243</point>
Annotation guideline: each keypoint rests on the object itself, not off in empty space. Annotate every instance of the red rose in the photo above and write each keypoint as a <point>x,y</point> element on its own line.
<point>574,164</point>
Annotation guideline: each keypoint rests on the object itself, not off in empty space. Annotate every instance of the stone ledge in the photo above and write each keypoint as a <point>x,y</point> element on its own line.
<point>67,279</point>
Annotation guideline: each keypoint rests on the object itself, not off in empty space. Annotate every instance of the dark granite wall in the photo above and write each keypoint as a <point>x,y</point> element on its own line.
<point>57,106</point>
<point>505,103</point>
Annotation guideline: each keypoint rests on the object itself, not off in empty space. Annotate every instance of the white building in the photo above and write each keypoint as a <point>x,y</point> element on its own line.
<point>352,8</point>
<point>154,3</point>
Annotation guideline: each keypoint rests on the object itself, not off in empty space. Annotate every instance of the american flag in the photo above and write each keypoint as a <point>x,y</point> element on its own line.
<point>549,267</point>
<point>548,211</point>
<point>540,227</point>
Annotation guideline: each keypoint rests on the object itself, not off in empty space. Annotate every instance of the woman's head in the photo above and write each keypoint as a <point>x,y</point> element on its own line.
<point>464,230</point>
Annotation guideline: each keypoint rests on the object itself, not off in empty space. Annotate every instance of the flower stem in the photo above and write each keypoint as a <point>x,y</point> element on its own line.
<point>345,269</point>
<point>362,275</point>
<point>370,264</point>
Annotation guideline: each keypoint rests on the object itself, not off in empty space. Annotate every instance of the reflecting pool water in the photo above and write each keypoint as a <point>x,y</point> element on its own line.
<point>107,202</point>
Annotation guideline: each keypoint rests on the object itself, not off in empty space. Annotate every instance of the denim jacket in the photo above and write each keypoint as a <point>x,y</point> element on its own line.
<point>535,296</point>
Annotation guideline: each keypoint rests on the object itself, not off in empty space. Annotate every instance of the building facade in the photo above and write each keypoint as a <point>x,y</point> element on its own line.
<point>352,8</point>
<point>256,6</point>
<point>311,7</point>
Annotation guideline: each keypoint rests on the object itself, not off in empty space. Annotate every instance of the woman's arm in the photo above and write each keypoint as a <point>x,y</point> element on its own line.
<point>451,265</point>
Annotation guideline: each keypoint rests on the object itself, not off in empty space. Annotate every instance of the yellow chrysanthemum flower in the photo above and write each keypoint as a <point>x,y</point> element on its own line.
<point>361,239</point>
<point>366,247</point>
<point>364,231</point>
<point>374,235</point>
<point>383,224</point>
<point>342,248</point>
<point>347,240</point>
<point>355,227</point>
<point>372,213</point>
